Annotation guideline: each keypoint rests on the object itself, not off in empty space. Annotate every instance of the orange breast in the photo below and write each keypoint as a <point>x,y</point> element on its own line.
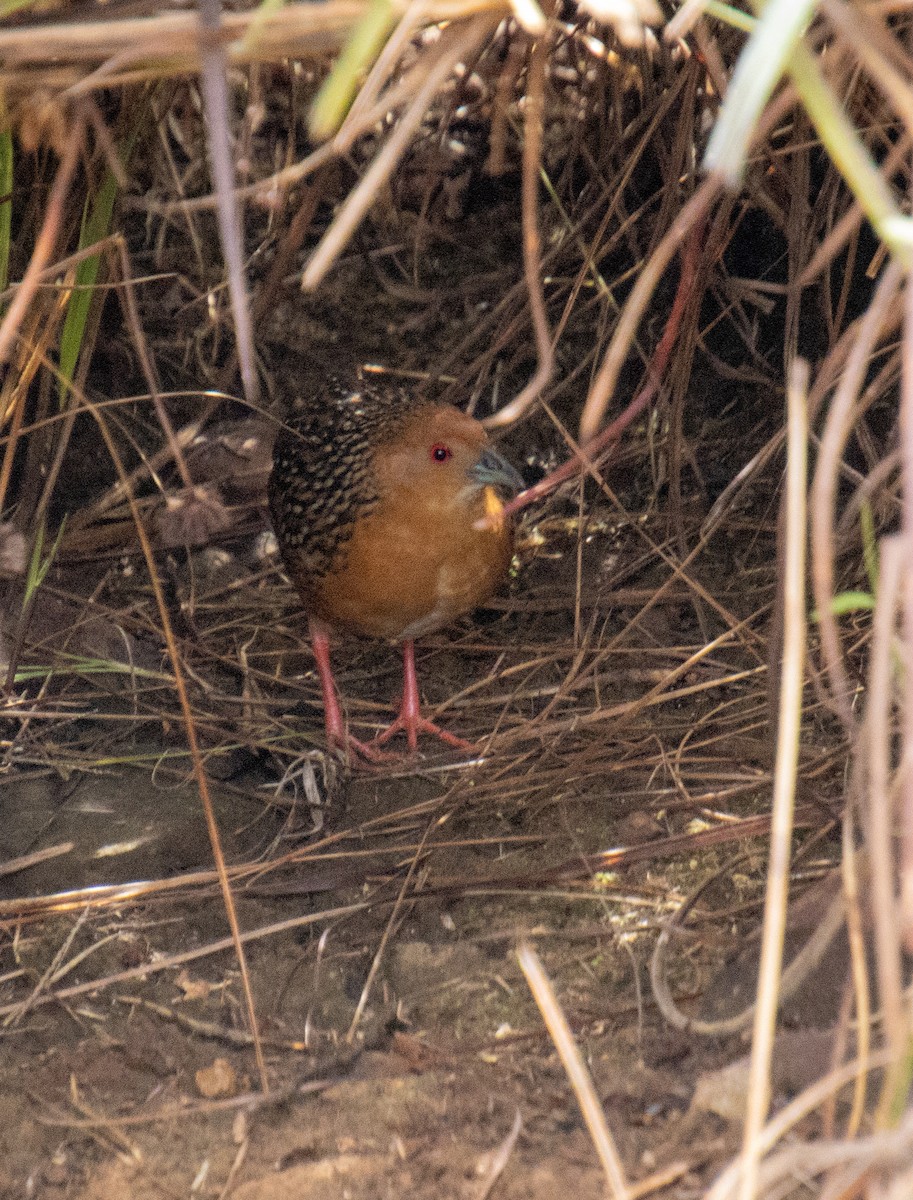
<point>412,566</point>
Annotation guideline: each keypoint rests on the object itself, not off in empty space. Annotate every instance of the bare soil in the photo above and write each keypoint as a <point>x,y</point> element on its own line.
<point>400,1037</point>
<point>401,1040</point>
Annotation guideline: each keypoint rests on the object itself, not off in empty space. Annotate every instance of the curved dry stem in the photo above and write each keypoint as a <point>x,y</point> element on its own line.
<point>214,65</point>
<point>571,1060</point>
<point>44,243</point>
<point>193,746</point>
<point>788,733</point>
<point>694,212</point>
<point>880,822</point>
<point>532,242</point>
<point>600,448</point>
<point>893,916</point>
<point>822,505</point>
<point>858,964</point>
<point>906,647</point>
<point>794,976</point>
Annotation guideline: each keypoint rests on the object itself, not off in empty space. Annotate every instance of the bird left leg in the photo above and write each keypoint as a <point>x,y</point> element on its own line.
<point>409,718</point>
<point>338,736</point>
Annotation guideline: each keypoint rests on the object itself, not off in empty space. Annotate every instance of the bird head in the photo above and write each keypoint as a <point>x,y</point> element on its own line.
<point>444,456</point>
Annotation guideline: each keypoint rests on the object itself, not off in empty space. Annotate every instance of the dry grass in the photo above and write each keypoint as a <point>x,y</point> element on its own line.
<point>567,252</point>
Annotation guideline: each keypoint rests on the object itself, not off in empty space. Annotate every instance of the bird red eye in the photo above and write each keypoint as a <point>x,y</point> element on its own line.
<point>440,453</point>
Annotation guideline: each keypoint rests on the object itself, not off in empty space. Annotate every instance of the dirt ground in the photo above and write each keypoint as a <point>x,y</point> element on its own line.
<point>110,1092</point>
<point>617,702</point>
<point>400,1037</point>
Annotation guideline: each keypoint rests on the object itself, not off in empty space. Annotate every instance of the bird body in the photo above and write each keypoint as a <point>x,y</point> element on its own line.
<point>379,503</point>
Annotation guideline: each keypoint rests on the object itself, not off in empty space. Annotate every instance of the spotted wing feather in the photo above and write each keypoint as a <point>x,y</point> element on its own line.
<point>322,481</point>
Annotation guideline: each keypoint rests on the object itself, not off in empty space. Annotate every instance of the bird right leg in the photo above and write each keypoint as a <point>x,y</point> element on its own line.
<point>409,720</point>
<point>338,736</point>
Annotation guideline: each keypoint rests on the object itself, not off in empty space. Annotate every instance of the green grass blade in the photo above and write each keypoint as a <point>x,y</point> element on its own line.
<point>95,225</point>
<point>731,16</point>
<point>39,564</point>
<point>869,544</point>
<point>34,573</point>
<point>850,602</point>
<point>75,664</point>
<point>359,52</point>
<point>264,10</point>
<point>849,155</point>
<point>758,71</point>
<point>7,7</point>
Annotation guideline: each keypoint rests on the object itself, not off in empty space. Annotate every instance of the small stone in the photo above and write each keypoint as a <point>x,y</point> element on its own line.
<point>218,1079</point>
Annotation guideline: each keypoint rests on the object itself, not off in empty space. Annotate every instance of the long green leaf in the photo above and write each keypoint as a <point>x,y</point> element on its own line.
<point>95,225</point>
<point>74,664</point>
<point>850,602</point>
<point>869,544</point>
<point>775,46</point>
<point>7,7</point>
<point>335,96</point>
<point>731,16</point>
<point>758,71</point>
<point>849,155</point>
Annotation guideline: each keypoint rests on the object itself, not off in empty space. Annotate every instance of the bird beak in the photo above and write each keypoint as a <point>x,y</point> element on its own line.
<point>491,470</point>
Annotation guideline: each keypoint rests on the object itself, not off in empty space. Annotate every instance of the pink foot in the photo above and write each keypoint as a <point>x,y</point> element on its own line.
<point>413,726</point>
<point>410,721</point>
<point>351,747</point>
